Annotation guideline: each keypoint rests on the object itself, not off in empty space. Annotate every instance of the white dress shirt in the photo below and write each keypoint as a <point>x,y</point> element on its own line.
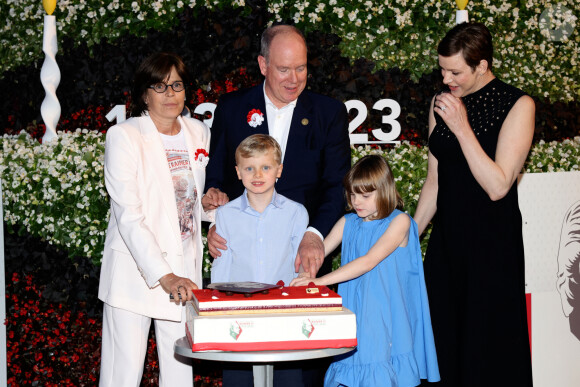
<point>279,121</point>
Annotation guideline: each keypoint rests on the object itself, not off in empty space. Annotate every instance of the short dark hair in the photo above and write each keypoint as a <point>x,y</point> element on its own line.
<point>472,40</point>
<point>372,173</point>
<point>271,32</point>
<point>156,68</point>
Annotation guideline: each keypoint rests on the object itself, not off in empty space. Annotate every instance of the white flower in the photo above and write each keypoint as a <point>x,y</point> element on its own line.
<point>352,15</point>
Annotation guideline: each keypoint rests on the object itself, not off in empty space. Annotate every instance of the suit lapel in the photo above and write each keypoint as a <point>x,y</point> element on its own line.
<point>301,129</point>
<point>256,100</point>
<point>156,161</point>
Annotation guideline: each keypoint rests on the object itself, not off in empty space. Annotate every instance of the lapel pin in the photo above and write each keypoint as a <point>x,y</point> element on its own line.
<point>304,121</point>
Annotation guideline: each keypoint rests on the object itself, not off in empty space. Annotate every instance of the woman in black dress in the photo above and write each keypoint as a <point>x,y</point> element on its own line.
<point>480,133</point>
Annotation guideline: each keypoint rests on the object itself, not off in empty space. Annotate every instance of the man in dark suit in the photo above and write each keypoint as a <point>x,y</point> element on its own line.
<point>312,130</point>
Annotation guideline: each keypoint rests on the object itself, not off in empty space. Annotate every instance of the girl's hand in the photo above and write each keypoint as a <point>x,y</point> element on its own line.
<point>453,112</point>
<point>304,280</point>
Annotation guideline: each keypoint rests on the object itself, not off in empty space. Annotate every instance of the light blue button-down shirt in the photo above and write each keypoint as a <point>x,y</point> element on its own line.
<point>262,247</point>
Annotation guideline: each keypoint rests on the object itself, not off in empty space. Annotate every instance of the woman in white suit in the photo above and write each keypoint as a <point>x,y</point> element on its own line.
<point>154,173</point>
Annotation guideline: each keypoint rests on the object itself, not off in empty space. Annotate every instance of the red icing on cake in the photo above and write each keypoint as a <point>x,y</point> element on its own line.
<point>285,299</point>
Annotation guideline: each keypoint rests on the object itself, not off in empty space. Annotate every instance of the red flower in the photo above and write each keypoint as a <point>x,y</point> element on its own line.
<point>200,151</point>
<point>255,118</point>
<point>201,158</point>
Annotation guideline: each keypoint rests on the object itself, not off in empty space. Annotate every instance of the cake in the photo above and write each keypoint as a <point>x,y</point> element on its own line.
<point>282,299</point>
<point>284,319</point>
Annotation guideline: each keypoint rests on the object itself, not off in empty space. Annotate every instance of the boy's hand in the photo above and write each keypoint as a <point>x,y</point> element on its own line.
<point>213,198</point>
<point>215,242</point>
<point>310,254</point>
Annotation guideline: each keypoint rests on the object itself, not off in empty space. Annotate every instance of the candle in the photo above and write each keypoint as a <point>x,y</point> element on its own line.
<point>461,14</point>
<point>461,4</point>
<point>49,6</point>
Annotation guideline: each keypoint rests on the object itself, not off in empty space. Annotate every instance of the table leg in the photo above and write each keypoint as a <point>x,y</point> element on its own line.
<point>263,375</point>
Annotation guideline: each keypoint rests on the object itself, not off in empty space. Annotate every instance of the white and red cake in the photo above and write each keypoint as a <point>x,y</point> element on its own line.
<point>285,318</point>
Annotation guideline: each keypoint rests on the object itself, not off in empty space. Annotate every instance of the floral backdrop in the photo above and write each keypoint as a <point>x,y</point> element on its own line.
<point>55,204</point>
<point>400,33</point>
<point>56,191</point>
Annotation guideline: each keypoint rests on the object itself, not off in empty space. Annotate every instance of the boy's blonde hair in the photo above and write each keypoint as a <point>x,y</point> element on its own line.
<point>258,144</point>
<point>369,174</point>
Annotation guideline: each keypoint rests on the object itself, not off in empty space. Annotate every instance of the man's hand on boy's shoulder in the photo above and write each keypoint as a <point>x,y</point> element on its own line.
<point>310,254</point>
<point>215,242</point>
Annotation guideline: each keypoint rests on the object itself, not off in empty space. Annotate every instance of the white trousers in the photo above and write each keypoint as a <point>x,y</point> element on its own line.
<point>124,348</point>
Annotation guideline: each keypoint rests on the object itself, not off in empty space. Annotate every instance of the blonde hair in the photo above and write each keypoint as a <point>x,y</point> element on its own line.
<point>372,173</point>
<point>258,144</point>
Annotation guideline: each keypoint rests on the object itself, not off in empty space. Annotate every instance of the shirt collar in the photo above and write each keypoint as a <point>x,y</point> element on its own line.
<point>269,103</point>
<point>245,204</point>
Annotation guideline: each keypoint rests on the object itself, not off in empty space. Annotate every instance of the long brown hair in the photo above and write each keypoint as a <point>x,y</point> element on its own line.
<point>372,173</point>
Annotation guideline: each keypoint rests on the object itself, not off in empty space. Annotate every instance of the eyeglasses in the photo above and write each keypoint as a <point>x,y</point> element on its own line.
<point>161,87</point>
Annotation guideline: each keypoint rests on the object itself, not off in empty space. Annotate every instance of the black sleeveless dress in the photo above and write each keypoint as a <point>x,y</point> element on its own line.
<point>474,266</point>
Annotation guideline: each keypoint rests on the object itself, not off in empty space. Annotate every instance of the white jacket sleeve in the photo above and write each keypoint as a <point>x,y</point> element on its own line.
<point>122,159</point>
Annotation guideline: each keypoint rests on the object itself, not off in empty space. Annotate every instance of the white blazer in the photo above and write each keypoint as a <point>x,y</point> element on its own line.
<point>143,240</point>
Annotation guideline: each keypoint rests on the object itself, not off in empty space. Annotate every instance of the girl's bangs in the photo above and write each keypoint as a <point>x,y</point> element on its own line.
<point>362,185</point>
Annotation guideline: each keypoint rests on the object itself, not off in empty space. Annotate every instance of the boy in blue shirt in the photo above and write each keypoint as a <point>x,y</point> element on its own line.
<point>263,229</point>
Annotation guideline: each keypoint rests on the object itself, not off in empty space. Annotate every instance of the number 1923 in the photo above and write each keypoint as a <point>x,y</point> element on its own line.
<point>118,113</point>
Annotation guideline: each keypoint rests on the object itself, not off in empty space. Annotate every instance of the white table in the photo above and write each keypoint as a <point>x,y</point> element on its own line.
<point>263,366</point>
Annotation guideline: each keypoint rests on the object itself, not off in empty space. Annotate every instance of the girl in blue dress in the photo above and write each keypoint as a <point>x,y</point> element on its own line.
<point>381,281</point>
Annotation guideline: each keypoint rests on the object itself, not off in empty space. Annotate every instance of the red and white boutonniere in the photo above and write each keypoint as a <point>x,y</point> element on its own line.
<point>255,118</point>
<point>201,158</point>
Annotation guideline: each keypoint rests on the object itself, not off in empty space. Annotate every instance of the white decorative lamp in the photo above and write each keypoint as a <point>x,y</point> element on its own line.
<point>50,73</point>
<point>461,14</point>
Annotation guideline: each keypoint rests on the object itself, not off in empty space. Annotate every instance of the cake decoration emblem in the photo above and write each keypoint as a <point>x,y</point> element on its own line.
<point>311,289</point>
<point>235,331</point>
<point>307,328</point>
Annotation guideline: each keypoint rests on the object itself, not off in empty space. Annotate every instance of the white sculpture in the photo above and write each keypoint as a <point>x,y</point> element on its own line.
<point>50,74</point>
